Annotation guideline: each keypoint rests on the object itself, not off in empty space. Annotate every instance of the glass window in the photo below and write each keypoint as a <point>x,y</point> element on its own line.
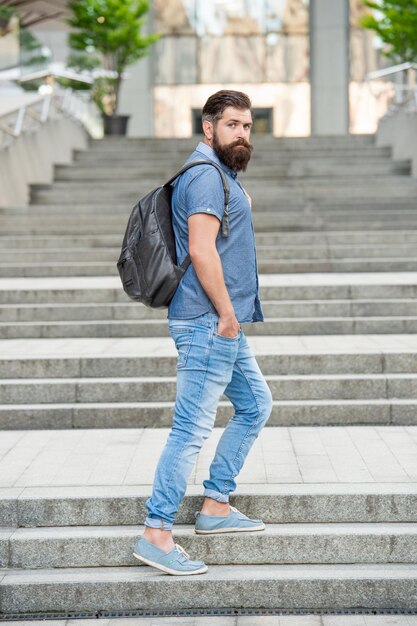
<point>236,41</point>
<point>287,58</point>
<point>175,60</point>
<point>174,17</point>
<point>231,59</point>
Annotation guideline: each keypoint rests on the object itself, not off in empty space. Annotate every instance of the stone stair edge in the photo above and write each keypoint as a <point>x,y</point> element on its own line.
<point>377,361</point>
<point>291,529</point>
<point>288,279</point>
<point>268,586</point>
<point>290,503</point>
<point>258,490</point>
<point>301,542</point>
<point>55,406</point>
<point>169,379</point>
<point>284,414</point>
<point>150,322</point>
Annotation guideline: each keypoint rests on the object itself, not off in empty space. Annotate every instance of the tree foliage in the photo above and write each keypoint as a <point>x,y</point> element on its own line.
<point>111,29</point>
<point>396,25</point>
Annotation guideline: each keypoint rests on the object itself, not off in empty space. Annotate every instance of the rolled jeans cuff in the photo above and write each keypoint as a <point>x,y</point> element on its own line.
<point>158,523</point>
<point>216,495</point>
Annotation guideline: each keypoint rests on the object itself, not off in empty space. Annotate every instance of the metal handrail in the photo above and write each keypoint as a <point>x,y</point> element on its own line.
<point>28,117</point>
<point>388,71</point>
<point>400,90</point>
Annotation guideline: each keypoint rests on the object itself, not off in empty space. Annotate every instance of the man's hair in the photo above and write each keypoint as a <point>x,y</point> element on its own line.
<point>219,101</point>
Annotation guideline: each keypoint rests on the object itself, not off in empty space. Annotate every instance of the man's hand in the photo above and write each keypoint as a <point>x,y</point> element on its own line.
<point>228,326</point>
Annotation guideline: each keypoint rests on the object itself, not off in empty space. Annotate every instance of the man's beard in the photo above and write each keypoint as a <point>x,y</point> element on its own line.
<point>235,158</point>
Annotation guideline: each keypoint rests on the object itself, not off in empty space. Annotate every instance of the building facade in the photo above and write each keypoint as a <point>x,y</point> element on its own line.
<point>303,63</point>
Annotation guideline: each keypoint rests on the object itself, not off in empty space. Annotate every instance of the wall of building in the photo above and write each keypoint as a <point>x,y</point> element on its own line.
<point>305,60</point>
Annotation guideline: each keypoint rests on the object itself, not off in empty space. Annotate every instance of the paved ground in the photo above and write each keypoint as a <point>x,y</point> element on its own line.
<point>346,454</point>
<point>164,346</point>
<point>287,620</point>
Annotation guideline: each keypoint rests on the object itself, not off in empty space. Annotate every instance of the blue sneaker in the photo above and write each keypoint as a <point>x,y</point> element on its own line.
<point>235,522</point>
<point>177,562</point>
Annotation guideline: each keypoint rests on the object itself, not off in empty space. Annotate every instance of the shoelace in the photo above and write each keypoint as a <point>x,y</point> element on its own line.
<point>181,550</point>
<point>235,510</point>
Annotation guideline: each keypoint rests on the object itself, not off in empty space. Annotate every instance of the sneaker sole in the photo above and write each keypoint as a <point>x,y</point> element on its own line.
<point>229,530</point>
<point>168,570</point>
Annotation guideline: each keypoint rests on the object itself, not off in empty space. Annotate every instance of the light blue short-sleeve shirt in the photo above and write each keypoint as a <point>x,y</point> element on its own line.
<point>200,190</point>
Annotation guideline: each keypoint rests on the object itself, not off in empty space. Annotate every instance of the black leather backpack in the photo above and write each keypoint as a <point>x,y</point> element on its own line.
<point>148,262</point>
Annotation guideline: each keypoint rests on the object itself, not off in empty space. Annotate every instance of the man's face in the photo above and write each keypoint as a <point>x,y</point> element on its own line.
<point>230,138</point>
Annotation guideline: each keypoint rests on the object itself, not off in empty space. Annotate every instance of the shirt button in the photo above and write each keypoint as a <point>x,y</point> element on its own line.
<point>208,209</point>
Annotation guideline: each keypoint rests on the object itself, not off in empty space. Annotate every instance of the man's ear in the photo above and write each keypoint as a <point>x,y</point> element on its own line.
<point>208,130</point>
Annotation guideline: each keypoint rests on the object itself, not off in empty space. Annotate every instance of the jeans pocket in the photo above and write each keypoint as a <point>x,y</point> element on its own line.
<point>182,338</point>
<point>216,334</point>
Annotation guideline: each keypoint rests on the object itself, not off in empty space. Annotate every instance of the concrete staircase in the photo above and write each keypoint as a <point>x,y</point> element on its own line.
<point>307,558</point>
<point>336,228</point>
<point>124,383</point>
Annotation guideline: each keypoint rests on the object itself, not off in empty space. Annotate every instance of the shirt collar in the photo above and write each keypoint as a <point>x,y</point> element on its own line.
<point>209,152</point>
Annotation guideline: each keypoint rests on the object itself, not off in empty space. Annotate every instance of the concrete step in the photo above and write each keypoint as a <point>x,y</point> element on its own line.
<point>265,253</point>
<point>272,309</point>
<point>322,254</point>
<point>162,388</point>
<point>300,240</point>
<point>112,546</point>
<point>149,145</point>
<point>282,209</point>
<point>290,361</point>
<point>275,503</point>
<point>67,224</point>
<point>172,160</point>
<point>281,220</point>
<point>108,289</point>
<point>81,268</point>
<point>263,222</point>
<point>279,168</point>
<point>312,586</point>
<point>263,140</point>
<point>158,328</point>
<point>330,180</point>
<point>153,357</point>
<point>283,189</point>
<point>99,415</point>
<point>299,207</point>
<point>261,151</point>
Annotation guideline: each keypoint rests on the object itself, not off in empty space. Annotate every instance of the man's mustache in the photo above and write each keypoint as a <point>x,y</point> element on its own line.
<point>241,142</point>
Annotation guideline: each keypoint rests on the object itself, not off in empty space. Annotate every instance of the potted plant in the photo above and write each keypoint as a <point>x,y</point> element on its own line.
<point>107,33</point>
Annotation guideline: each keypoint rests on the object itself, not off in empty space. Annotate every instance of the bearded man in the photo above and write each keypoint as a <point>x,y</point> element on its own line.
<point>218,292</point>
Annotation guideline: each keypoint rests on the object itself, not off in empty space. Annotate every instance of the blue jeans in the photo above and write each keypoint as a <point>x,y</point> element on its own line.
<point>208,365</point>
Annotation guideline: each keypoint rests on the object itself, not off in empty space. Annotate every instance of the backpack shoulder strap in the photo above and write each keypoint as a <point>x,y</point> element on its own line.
<point>226,189</point>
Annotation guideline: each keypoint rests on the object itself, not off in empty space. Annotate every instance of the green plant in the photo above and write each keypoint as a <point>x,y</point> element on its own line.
<point>396,24</point>
<point>6,13</point>
<point>32,52</point>
<point>109,30</point>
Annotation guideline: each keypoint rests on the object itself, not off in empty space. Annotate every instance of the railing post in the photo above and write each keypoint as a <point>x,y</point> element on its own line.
<point>19,121</point>
<point>45,108</point>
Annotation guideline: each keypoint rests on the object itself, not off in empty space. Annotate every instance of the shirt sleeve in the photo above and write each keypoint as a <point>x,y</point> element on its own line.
<point>204,192</point>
